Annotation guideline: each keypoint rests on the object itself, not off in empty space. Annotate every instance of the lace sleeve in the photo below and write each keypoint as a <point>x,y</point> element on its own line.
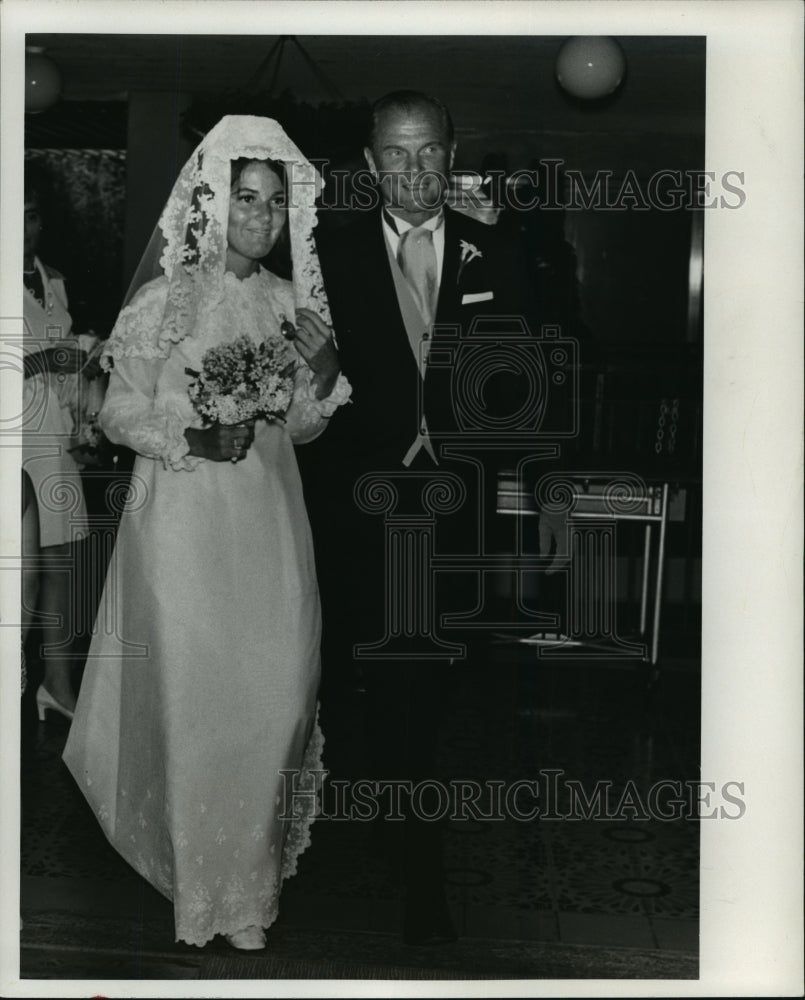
<point>136,333</point>
<point>307,416</point>
<point>134,413</point>
<point>133,416</point>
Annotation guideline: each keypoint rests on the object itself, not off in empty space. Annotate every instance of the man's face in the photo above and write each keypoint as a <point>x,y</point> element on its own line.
<point>411,156</point>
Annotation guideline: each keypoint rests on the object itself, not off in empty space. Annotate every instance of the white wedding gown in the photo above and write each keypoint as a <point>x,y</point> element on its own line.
<point>201,681</point>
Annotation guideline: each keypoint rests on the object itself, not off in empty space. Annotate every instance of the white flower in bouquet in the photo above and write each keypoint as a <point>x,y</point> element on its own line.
<point>243,380</point>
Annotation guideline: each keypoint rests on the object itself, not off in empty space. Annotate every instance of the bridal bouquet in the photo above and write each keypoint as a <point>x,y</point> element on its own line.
<point>243,381</point>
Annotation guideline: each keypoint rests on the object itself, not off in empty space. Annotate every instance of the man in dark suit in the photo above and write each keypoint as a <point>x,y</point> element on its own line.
<point>405,280</point>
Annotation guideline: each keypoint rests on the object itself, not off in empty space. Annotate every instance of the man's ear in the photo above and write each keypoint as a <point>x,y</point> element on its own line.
<point>370,161</point>
<point>452,156</point>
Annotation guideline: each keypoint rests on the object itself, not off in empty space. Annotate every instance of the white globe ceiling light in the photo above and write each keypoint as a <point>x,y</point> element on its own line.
<point>42,80</point>
<point>590,66</point>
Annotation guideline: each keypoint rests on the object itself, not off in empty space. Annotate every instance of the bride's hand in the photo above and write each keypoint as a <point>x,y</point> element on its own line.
<point>314,341</point>
<point>220,442</point>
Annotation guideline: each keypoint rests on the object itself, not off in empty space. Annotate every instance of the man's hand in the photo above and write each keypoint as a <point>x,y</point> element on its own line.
<point>221,443</point>
<point>314,341</point>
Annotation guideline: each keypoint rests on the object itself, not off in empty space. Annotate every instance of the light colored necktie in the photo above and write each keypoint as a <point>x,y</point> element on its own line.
<point>416,256</point>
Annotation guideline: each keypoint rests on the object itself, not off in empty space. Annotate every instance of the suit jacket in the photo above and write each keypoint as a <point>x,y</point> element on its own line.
<point>375,431</point>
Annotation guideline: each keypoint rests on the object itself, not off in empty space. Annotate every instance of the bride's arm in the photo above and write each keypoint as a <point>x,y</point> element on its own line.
<point>319,386</point>
<point>133,414</point>
<point>307,415</point>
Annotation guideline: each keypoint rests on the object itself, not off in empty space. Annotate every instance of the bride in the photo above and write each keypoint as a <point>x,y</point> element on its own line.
<point>202,676</point>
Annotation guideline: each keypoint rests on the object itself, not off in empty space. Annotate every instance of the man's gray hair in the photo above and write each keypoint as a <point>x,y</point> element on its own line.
<point>407,101</point>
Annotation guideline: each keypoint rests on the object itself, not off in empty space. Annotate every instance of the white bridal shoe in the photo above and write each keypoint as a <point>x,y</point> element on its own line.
<point>249,939</point>
<point>45,700</point>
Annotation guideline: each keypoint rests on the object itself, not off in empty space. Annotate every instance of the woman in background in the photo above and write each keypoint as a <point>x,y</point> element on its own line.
<point>56,366</point>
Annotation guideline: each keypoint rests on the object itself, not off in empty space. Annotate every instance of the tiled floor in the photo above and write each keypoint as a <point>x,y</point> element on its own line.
<point>622,883</point>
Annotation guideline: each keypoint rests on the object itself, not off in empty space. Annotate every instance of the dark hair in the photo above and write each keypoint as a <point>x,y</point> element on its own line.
<point>278,259</point>
<point>408,101</point>
<point>277,167</point>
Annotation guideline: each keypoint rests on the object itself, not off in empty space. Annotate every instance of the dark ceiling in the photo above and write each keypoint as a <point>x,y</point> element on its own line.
<point>501,89</point>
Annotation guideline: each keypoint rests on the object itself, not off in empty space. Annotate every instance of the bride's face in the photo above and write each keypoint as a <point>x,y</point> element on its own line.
<point>257,214</point>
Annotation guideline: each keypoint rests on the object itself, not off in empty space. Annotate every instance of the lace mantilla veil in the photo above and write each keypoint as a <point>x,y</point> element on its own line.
<point>188,246</point>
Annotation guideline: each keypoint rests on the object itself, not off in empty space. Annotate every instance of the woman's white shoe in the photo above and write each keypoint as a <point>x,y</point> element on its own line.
<point>45,700</point>
<point>249,939</point>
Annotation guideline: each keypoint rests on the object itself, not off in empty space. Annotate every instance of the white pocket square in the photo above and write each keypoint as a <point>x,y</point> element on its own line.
<point>471,297</point>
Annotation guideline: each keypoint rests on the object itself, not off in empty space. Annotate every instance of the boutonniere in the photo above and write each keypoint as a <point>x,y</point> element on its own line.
<point>468,254</point>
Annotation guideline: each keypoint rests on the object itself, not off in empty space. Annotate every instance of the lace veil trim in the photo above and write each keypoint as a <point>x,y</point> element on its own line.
<point>189,245</point>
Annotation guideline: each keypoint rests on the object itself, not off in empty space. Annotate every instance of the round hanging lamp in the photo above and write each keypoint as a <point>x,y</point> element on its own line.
<point>42,80</point>
<point>590,66</point>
